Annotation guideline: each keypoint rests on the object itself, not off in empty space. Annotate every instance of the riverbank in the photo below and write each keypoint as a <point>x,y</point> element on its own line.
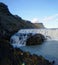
<point>49,50</point>
<point>15,56</point>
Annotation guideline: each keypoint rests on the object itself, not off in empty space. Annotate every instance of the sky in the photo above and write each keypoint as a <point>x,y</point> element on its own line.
<point>37,11</point>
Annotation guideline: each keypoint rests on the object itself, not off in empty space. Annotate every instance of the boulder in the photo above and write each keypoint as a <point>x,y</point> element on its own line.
<point>35,39</point>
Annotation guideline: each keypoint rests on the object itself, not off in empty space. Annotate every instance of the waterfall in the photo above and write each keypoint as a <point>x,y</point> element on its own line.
<point>19,39</point>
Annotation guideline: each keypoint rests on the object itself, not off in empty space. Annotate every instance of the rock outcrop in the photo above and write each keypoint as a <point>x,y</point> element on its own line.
<point>4,9</point>
<point>35,39</point>
<point>40,25</point>
<point>10,23</point>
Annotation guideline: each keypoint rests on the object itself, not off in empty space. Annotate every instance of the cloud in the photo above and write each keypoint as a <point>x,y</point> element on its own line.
<point>51,18</point>
<point>35,20</point>
<point>49,22</point>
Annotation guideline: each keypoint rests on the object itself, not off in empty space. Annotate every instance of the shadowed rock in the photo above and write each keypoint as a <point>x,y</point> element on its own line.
<point>35,39</point>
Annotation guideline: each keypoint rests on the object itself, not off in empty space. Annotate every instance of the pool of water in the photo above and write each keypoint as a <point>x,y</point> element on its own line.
<point>48,49</point>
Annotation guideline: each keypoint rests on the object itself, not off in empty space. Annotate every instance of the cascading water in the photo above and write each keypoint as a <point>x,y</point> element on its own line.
<point>19,39</point>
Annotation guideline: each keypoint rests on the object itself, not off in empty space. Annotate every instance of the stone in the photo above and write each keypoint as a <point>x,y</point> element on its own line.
<point>35,39</point>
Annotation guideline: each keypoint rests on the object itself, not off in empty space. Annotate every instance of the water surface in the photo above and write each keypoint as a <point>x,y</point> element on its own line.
<point>49,50</point>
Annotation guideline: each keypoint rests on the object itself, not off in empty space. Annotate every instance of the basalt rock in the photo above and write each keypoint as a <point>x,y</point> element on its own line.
<point>4,9</point>
<point>35,39</point>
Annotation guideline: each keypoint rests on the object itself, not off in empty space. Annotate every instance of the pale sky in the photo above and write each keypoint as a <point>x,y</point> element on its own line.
<point>45,11</point>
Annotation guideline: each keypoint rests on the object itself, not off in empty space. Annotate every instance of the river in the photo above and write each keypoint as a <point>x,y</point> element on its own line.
<point>48,49</point>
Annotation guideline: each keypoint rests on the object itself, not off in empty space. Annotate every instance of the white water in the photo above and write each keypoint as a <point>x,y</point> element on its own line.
<point>19,39</point>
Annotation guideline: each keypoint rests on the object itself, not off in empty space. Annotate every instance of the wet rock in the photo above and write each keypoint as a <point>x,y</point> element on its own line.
<point>35,39</point>
<point>53,62</point>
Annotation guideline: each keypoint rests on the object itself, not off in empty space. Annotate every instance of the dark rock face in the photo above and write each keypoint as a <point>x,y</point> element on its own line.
<point>8,54</point>
<point>15,56</point>
<point>10,24</point>
<point>35,40</point>
<point>4,9</point>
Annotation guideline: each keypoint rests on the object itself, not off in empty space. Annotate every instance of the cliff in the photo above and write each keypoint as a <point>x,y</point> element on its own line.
<point>39,25</point>
<point>10,23</point>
